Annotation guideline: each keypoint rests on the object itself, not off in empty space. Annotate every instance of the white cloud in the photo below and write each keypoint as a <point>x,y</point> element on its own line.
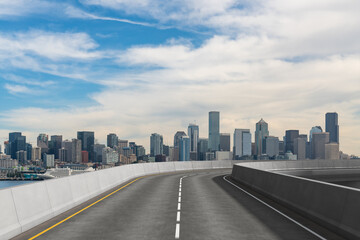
<point>10,8</point>
<point>18,89</point>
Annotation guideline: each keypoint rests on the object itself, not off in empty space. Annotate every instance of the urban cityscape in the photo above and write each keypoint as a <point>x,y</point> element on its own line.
<point>83,153</point>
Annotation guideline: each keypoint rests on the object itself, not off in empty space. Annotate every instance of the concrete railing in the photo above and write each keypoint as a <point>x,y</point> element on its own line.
<point>333,206</point>
<point>23,207</point>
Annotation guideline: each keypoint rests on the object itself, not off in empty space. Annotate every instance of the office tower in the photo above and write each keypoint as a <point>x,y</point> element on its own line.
<point>43,141</point>
<point>332,151</point>
<point>139,151</point>
<point>203,147</point>
<point>76,155</point>
<point>28,151</point>
<point>242,143</point>
<point>318,144</point>
<point>112,140</point>
<point>214,131</point>
<point>156,144</point>
<point>35,154</point>
<point>109,155</point>
<point>184,149</point>
<point>132,147</point>
<point>193,156</point>
<point>300,147</point>
<point>49,160</point>
<point>193,133</point>
<point>261,132</point>
<point>15,144</point>
<point>224,142</point>
<point>271,146</point>
<point>281,148</point>
<point>87,143</point>
<point>316,129</point>
<point>178,135</point>
<point>290,136</point>
<point>21,156</point>
<point>332,126</point>
<point>56,141</point>
<point>166,150</point>
<point>67,145</point>
<point>126,151</point>
<point>63,156</point>
<point>122,143</point>
<point>98,152</point>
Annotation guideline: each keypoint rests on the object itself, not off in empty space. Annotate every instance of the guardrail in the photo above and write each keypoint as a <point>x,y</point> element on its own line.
<point>333,206</point>
<point>25,206</point>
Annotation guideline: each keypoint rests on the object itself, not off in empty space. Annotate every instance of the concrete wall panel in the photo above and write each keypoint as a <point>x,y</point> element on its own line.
<point>60,194</point>
<point>32,204</point>
<point>151,168</point>
<point>183,166</point>
<point>79,188</point>
<point>9,225</point>
<point>166,167</point>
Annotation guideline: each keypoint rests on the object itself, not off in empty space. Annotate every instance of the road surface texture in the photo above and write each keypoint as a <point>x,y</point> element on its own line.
<point>187,205</point>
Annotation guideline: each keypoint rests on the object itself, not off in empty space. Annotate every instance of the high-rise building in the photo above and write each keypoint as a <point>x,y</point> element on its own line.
<point>214,131</point>
<point>43,142</point>
<point>316,129</point>
<point>21,156</point>
<point>261,132</point>
<point>332,151</point>
<point>122,143</point>
<point>63,156</point>
<point>318,145</point>
<point>139,151</point>
<point>67,145</point>
<point>156,144</point>
<point>166,150</point>
<point>112,140</point>
<point>109,155</point>
<point>49,160</point>
<point>242,143</point>
<point>28,151</point>
<point>224,142</point>
<point>76,155</point>
<point>178,135</point>
<point>56,141</point>
<point>290,136</point>
<point>193,133</point>
<point>271,146</point>
<point>300,147</point>
<point>332,126</point>
<point>98,151</point>
<point>203,148</point>
<point>87,143</point>
<point>35,154</point>
<point>17,142</point>
<point>84,156</point>
<point>184,149</point>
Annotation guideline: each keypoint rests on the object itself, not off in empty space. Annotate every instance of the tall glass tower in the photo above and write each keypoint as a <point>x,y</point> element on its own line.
<point>156,144</point>
<point>261,132</point>
<point>332,126</point>
<point>193,133</point>
<point>214,131</point>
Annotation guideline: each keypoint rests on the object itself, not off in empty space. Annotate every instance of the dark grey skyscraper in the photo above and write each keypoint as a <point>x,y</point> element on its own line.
<point>290,136</point>
<point>225,142</point>
<point>203,147</point>
<point>17,143</point>
<point>56,142</point>
<point>87,143</point>
<point>112,140</point>
<point>214,131</point>
<point>262,130</point>
<point>332,126</point>
<point>156,144</point>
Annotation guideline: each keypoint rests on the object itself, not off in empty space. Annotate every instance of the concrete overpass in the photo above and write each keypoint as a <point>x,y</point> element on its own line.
<point>182,200</point>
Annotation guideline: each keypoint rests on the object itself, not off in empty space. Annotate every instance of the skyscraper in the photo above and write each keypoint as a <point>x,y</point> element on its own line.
<point>332,126</point>
<point>112,140</point>
<point>316,129</point>
<point>178,135</point>
<point>242,143</point>
<point>87,143</point>
<point>156,144</point>
<point>260,133</point>
<point>271,146</point>
<point>319,140</point>
<point>193,133</point>
<point>17,142</point>
<point>214,130</point>
<point>290,136</point>
<point>203,147</point>
<point>56,141</point>
<point>224,142</point>
<point>184,149</point>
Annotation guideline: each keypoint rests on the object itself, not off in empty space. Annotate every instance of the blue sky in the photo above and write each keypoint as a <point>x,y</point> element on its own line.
<point>135,67</point>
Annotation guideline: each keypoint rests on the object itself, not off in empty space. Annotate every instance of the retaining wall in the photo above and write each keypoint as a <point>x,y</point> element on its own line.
<point>25,206</point>
<point>333,206</point>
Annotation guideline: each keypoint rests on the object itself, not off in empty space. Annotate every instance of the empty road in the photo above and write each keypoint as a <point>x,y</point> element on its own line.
<point>188,205</point>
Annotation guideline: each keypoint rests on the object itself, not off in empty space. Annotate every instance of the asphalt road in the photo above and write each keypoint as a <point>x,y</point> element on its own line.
<point>200,206</point>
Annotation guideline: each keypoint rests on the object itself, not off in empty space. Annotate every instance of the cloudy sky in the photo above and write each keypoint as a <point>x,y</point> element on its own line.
<point>135,67</point>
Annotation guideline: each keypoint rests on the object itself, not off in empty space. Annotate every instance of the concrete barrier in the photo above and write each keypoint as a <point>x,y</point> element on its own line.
<point>333,206</point>
<point>28,205</point>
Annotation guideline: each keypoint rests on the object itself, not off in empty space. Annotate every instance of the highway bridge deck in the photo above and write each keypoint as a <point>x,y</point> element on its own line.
<point>188,205</point>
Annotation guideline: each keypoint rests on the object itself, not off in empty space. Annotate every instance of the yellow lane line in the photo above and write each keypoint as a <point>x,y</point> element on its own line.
<point>64,220</point>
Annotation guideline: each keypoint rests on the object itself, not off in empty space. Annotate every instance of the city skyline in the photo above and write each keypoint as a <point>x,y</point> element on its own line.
<point>135,69</point>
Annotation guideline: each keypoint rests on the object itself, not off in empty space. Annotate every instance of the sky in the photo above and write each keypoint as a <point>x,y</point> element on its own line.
<point>136,67</point>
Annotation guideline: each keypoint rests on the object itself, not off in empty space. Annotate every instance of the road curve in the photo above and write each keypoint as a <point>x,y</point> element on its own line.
<point>210,208</point>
